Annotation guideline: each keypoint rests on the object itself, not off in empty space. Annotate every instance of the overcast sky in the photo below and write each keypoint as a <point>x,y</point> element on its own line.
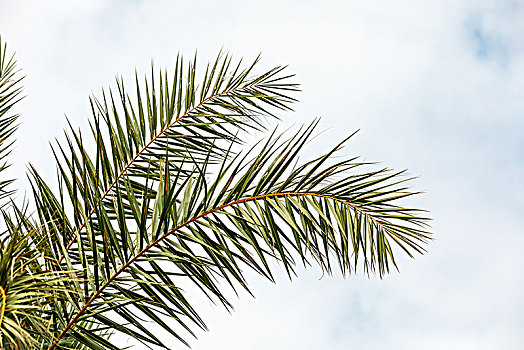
<point>435,86</point>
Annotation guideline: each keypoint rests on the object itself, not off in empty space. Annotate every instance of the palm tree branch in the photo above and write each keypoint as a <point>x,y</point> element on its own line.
<point>10,90</point>
<point>137,156</point>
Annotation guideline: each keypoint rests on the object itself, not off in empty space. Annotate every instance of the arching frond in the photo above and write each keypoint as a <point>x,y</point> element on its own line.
<point>206,223</point>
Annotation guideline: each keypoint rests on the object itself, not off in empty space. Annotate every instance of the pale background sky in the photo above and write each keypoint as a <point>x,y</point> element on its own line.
<point>435,86</point>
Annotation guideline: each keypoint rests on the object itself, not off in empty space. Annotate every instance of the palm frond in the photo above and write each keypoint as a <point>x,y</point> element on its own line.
<point>10,90</point>
<point>132,134</point>
<point>33,295</point>
<point>208,222</point>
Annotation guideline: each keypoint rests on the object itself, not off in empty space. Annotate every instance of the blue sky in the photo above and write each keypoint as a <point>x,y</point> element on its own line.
<point>437,88</point>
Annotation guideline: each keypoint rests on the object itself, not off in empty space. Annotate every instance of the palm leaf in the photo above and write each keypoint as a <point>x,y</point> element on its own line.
<point>206,222</point>
<point>10,90</point>
<point>171,119</point>
<point>35,291</point>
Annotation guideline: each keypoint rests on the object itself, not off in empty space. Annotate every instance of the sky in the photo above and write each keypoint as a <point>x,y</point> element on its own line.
<point>436,87</point>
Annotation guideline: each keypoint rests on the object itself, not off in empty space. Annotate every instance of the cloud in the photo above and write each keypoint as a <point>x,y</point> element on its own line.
<point>493,32</point>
